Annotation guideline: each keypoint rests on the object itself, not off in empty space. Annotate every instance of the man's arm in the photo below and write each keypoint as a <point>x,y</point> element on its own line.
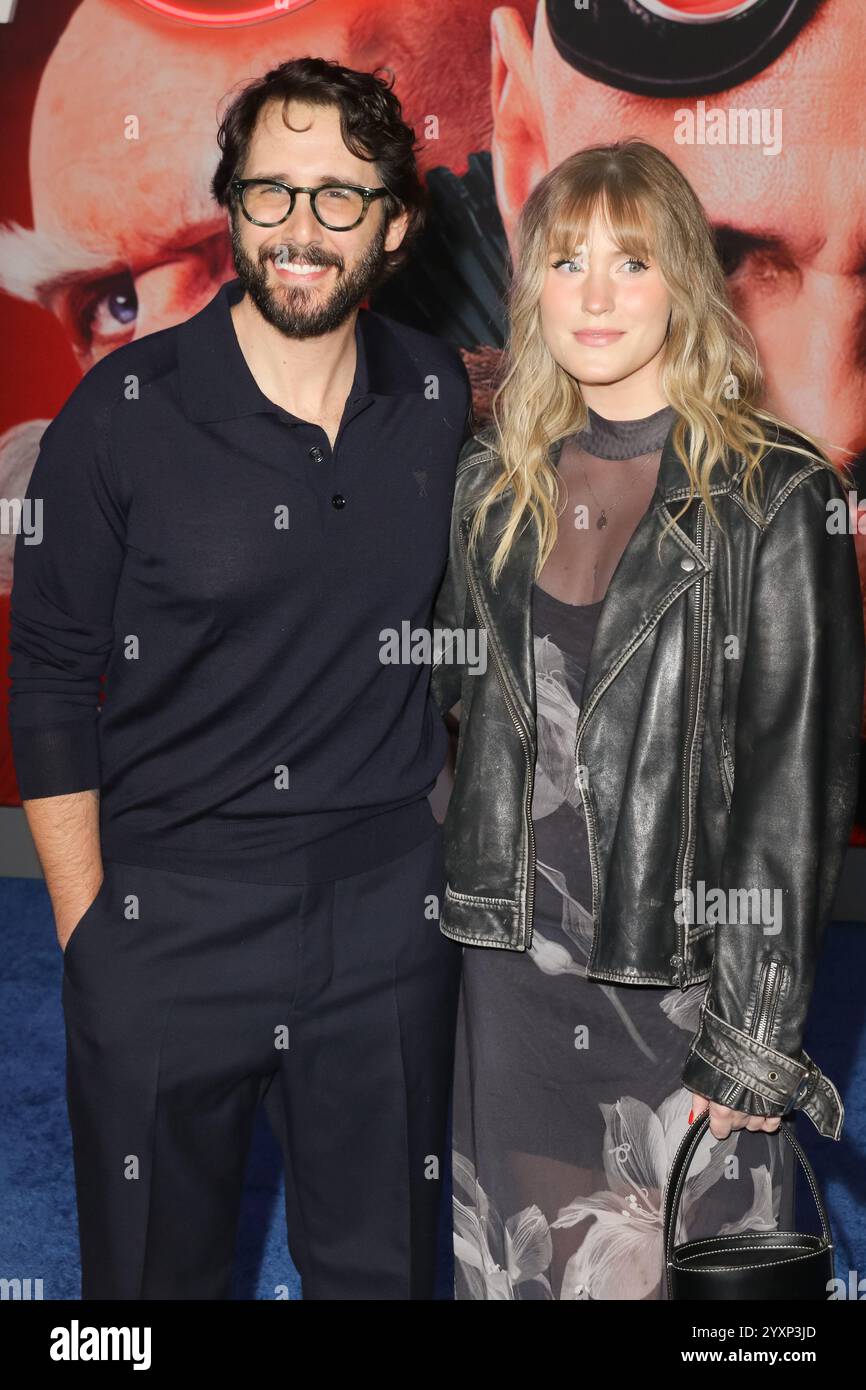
<point>65,580</point>
<point>65,831</point>
<point>451,598</point>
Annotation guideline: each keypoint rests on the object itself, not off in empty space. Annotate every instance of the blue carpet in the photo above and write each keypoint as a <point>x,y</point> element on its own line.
<point>38,1228</point>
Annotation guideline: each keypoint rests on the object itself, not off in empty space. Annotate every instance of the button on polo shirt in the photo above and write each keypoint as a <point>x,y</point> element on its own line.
<point>232,580</point>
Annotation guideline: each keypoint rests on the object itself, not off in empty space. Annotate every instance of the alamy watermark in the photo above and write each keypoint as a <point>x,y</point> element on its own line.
<point>22,514</point>
<point>420,646</point>
<point>733,906</point>
<point>730,125</point>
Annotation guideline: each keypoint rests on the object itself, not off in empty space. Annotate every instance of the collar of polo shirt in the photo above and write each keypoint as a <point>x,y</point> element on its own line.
<point>217,383</point>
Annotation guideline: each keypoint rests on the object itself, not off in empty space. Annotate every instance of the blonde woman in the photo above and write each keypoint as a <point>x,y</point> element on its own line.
<point>657,761</point>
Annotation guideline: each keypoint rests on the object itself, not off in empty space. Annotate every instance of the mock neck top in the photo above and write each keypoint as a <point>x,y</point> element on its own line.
<point>625,439</point>
<point>607,474</point>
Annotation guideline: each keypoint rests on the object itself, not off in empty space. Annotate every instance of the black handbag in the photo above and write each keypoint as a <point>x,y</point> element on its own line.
<point>760,1265</point>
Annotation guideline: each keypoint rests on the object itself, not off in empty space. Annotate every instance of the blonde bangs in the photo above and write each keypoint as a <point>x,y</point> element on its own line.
<point>624,218</point>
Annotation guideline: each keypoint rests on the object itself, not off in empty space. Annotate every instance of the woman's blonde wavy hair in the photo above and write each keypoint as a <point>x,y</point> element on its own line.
<point>709,373</point>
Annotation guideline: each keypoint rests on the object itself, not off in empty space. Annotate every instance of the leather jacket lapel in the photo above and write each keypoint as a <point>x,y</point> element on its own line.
<point>641,589</point>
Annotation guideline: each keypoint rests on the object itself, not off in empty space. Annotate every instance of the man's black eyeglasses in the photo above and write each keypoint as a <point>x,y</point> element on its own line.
<point>338,206</point>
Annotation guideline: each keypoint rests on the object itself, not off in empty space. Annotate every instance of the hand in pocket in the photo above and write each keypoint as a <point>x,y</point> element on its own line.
<point>76,916</point>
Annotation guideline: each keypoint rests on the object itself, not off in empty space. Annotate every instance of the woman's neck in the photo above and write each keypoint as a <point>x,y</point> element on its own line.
<point>636,397</point>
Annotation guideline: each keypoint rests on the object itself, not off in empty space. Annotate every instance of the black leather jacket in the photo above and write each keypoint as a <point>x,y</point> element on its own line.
<point>718,743</point>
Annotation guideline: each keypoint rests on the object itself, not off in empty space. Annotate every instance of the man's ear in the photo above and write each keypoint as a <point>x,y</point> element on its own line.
<point>517,147</point>
<point>396,230</point>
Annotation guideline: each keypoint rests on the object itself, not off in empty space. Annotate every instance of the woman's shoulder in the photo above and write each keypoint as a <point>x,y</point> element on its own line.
<point>476,467</point>
<point>789,463</point>
<point>479,448</point>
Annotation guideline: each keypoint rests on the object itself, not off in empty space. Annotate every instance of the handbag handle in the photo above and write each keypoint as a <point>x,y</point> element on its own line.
<point>680,1166</point>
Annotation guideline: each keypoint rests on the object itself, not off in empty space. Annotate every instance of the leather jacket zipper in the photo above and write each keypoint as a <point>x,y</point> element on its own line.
<point>678,960</point>
<point>529,864</point>
<point>769,989</point>
<point>728,766</point>
<point>593,860</point>
<point>768,995</point>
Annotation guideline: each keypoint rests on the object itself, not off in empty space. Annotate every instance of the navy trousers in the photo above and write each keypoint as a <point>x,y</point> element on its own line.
<point>187,1000</point>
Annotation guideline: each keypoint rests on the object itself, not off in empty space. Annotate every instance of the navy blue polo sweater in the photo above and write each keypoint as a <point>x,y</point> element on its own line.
<point>232,580</point>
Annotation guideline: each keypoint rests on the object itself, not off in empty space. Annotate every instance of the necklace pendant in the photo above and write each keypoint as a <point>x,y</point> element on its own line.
<point>602,520</point>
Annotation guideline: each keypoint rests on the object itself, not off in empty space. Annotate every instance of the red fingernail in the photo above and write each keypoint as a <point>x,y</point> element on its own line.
<point>691,1115</point>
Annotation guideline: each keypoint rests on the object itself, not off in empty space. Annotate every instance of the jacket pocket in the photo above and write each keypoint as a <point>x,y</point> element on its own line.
<point>726,768</point>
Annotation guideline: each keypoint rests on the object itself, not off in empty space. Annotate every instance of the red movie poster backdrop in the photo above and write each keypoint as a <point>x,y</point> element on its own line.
<point>108,231</point>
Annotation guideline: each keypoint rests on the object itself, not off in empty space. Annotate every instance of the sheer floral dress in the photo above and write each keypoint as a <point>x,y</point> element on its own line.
<point>568,1103</point>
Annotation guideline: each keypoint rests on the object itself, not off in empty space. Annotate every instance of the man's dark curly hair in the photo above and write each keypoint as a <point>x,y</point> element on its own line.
<point>371,123</point>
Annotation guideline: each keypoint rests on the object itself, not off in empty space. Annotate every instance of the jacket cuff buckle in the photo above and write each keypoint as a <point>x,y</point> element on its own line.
<point>806,1086</point>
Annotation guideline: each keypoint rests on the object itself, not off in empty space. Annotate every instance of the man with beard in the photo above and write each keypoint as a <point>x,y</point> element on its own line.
<point>242,860</point>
